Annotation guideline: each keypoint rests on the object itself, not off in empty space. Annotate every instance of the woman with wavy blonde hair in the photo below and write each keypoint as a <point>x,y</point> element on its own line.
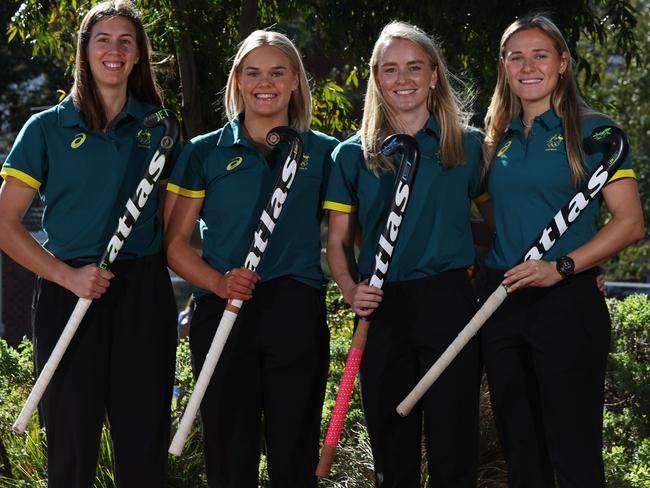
<point>274,364</point>
<point>427,297</point>
<point>546,348</point>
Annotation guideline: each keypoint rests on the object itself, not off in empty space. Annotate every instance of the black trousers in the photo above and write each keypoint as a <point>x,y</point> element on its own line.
<point>119,364</point>
<point>545,352</point>
<point>274,365</point>
<point>414,324</point>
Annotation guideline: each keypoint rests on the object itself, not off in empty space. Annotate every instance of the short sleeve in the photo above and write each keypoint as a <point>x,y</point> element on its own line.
<point>27,160</point>
<point>595,153</point>
<point>187,176</point>
<point>340,194</point>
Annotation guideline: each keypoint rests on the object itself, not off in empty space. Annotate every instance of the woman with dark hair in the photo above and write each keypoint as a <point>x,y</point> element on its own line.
<point>427,297</point>
<point>85,157</point>
<point>274,363</point>
<point>545,349</point>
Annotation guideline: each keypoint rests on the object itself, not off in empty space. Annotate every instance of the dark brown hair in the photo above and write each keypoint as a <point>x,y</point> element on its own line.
<point>141,81</point>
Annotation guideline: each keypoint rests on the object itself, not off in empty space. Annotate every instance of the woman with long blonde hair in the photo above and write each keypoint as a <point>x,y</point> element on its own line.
<point>427,297</point>
<point>274,364</point>
<point>546,348</point>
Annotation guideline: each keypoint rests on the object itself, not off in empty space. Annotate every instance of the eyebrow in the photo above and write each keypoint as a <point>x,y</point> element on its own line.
<point>410,63</point>
<point>255,68</point>
<point>537,50</point>
<point>126,34</point>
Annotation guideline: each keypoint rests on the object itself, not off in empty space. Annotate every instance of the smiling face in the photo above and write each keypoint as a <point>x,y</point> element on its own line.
<point>112,52</point>
<point>405,76</point>
<point>266,81</point>
<point>533,65</point>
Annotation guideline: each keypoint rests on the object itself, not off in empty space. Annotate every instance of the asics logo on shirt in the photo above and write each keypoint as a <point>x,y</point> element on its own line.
<point>554,142</point>
<point>503,149</point>
<point>234,163</point>
<point>78,140</point>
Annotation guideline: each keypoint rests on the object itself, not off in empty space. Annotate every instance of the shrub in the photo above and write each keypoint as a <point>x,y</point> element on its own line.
<point>626,429</point>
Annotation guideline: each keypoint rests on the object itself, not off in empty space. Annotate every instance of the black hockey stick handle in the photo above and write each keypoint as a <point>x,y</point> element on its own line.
<point>268,219</point>
<point>618,147</point>
<point>404,148</point>
<point>134,207</point>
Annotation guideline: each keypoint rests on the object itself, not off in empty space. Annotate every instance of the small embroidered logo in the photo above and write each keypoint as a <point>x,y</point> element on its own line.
<point>554,142</point>
<point>503,150</point>
<point>78,140</point>
<point>304,163</point>
<point>234,163</point>
<point>144,138</point>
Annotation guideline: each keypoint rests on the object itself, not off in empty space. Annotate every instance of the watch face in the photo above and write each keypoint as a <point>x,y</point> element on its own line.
<point>565,265</point>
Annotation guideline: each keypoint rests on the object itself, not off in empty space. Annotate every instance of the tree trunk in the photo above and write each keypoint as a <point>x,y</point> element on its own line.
<point>193,109</point>
<point>248,19</point>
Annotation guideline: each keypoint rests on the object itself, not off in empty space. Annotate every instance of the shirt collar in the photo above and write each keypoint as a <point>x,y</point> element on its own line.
<point>69,116</point>
<point>549,120</point>
<point>233,133</point>
<point>431,127</point>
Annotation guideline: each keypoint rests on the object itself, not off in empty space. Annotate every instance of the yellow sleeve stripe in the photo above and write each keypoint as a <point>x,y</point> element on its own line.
<point>623,173</point>
<point>19,175</point>
<point>185,192</point>
<point>339,207</point>
<point>482,198</point>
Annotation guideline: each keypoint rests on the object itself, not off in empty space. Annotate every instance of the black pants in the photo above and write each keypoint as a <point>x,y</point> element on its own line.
<point>119,364</point>
<point>415,323</point>
<point>274,364</point>
<point>545,351</point>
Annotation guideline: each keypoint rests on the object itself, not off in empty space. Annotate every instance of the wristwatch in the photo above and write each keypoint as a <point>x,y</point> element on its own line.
<point>565,266</point>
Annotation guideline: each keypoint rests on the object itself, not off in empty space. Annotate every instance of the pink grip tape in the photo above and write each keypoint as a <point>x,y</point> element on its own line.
<point>343,398</point>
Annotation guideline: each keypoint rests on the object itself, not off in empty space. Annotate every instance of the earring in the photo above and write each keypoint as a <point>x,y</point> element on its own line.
<point>432,87</point>
<point>561,75</point>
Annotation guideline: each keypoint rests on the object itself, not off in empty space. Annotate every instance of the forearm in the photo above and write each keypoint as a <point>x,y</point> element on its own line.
<point>187,264</point>
<point>343,267</point>
<point>26,251</point>
<point>619,233</point>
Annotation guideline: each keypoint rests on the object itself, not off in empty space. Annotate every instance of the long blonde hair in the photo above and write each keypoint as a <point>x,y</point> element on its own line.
<point>380,120</point>
<point>300,102</point>
<point>565,99</point>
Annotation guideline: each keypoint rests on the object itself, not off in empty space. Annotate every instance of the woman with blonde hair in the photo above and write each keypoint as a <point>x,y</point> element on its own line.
<point>85,157</point>
<point>427,297</point>
<point>275,361</point>
<point>545,349</point>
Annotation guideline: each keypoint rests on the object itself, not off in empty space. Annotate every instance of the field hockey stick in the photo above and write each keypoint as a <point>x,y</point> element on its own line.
<point>618,149</point>
<point>134,207</point>
<point>407,148</point>
<point>268,219</point>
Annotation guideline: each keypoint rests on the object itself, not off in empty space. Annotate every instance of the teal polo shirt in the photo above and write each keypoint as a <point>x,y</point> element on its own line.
<point>530,181</point>
<point>235,179</point>
<point>85,178</point>
<point>435,234</point>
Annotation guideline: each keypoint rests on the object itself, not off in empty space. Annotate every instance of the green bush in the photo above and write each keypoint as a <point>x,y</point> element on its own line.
<point>626,429</point>
<point>627,405</point>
